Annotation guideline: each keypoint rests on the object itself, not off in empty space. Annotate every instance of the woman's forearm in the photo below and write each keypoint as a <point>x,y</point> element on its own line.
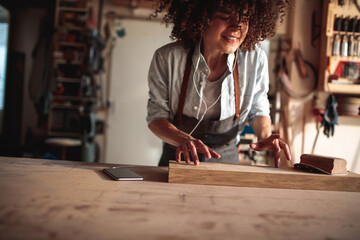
<point>167,132</point>
<point>262,127</point>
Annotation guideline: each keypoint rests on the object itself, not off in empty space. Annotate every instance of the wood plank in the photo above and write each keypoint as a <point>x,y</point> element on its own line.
<point>260,177</point>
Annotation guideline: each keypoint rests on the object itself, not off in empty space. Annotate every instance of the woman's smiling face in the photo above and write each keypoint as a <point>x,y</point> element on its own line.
<point>224,33</point>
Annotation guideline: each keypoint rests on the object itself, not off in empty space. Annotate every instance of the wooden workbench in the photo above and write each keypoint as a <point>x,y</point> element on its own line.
<point>49,199</point>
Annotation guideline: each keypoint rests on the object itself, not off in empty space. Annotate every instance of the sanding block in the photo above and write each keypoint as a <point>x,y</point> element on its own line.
<point>322,164</point>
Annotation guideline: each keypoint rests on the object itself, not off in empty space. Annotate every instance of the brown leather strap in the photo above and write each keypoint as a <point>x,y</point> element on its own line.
<point>237,92</point>
<point>184,86</point>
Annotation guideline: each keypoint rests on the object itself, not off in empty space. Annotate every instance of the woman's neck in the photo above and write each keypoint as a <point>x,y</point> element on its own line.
<point>216,61</point>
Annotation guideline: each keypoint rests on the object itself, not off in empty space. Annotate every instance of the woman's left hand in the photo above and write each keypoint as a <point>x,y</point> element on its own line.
<point>275,144</point>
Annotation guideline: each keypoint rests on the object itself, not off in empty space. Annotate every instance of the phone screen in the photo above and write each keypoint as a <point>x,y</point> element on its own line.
<point>122,174</point>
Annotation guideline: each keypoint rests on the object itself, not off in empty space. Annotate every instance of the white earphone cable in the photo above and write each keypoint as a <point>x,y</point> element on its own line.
<point>197,91</point>
<point>202,98</point>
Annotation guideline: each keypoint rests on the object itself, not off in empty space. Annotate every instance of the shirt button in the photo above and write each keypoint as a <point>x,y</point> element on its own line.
<point>195,107</point>
<point>201,83</point>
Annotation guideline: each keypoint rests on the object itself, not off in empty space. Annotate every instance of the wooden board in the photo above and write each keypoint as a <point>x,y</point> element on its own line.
<point>261,177</point>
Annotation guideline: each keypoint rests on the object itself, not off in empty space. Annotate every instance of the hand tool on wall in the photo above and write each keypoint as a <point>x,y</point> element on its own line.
<point>330,117</point>
<point>326,116</point>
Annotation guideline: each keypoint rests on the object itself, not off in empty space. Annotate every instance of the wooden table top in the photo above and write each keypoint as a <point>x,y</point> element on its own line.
<point>50,199</point>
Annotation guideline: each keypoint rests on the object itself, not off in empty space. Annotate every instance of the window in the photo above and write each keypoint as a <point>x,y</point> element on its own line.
<point>4,35</point>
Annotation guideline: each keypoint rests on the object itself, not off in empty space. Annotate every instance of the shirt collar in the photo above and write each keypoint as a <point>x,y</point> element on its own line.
<point>202,63</point>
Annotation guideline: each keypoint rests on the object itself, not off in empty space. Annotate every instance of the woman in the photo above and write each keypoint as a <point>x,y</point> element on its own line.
<point>204,86</point>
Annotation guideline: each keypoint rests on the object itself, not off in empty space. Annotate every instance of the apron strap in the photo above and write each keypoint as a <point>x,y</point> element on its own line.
<point>237,92</point>
<point>185,82</point>
<point>184,85</point>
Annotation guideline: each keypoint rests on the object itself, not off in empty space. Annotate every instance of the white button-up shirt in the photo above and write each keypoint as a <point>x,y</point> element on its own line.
<point>166,75</point>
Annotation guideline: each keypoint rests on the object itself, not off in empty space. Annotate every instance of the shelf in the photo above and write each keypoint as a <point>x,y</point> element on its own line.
<point>350,116</point>
<point>344,81</point>
<point>344,88</point>
<point>70,28</point>
<point>72,44</point>
<point>346,33</point>
<point>345,59</point>
<point>329,65</point>
<point>70,80</point>
<point>65,106</point>
<point>73,9</point>
<point>64,61</point>
<point>63,134</point>
<point>80,99</point>
<point>69,63</point>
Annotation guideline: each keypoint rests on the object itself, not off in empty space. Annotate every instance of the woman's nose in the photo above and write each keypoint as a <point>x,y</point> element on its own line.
<point>236,25</point>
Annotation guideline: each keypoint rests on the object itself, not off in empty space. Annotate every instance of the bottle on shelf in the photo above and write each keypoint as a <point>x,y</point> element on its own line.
<point>344,46</point>
<point>351,45</point>
<point>352,24</point>
<point>337,23</point>
<point>356,46</point>
<point>345,24</point>
<point>357,26</point>
<point>336,45</point>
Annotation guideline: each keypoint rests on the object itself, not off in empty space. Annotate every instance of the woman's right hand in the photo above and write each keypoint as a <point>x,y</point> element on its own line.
<point>185,143</point>
<point>194,146</point>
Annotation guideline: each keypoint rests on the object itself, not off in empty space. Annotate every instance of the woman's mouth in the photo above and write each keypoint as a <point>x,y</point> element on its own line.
<point>230,39</point>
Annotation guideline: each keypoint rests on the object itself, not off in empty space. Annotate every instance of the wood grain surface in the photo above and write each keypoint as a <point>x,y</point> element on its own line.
<point>49,199</point>
<point>263,177</point>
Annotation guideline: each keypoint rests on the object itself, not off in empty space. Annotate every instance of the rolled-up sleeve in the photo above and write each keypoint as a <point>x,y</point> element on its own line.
<point>260,105</point>
<point>158,80</point>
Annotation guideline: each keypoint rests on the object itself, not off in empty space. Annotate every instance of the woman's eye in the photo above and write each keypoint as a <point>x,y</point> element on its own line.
<point>224,16</point>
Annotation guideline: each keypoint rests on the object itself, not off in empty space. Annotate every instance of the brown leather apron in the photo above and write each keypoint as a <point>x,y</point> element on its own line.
<point>219,135</point>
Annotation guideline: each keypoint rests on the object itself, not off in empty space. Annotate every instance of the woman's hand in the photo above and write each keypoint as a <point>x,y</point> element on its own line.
<point>194,146</point>
<point>185,143</point>
<point>275,144</point>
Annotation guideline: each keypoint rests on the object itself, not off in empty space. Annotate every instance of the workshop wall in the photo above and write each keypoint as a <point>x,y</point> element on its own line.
<point>128,139</point>
<point>302,122</point>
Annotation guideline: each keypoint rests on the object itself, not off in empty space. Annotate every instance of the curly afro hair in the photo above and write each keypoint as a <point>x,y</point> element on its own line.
<point>190,17</point>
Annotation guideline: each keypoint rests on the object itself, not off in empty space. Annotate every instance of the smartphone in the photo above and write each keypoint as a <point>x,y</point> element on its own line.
<point>122,174</point>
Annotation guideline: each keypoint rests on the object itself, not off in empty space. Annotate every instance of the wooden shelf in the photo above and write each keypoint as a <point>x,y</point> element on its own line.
<point>73,9</point>
<point>344,88</point>
<point>72,44</point>
<point>65,106</point>
<point>149,4</point>
<point>70,80</point>
<point>80,99</point>
<point>350,116</point>
<point>70,28</point>
<point>69,58</point>
<point>345,59</point>
<point>63,134</point>
<point>329,64</point>
<point>64,61</point>
<point>346,33</point>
